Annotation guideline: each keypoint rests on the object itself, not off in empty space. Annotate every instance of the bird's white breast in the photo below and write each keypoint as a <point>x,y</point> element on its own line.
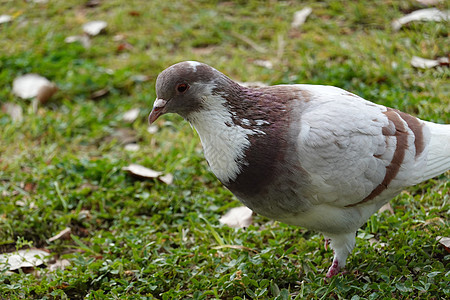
<point>224,143</point>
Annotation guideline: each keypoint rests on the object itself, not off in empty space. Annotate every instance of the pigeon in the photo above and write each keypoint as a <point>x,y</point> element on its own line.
<point>314,156</point>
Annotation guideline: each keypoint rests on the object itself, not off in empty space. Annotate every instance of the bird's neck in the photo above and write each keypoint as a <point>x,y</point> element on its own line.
<point>224,142</point>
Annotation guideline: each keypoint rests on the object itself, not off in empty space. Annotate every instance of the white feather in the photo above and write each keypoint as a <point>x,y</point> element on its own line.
<point>194,64</point>
<point>224,143</point>
<point>438,158</point>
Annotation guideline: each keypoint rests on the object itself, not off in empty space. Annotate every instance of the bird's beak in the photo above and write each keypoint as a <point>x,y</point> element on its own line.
<point>158,109</point>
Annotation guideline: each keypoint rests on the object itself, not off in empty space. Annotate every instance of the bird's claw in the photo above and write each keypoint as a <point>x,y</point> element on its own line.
<point>334,269</point>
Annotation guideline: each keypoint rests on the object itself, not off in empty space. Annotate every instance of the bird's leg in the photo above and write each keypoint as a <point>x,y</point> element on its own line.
<point>342,245</point>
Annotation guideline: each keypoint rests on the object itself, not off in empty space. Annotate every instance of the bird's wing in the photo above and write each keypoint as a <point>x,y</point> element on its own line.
<point>356,151</point>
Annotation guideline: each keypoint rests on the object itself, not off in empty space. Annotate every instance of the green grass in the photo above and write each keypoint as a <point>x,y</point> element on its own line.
<point>136,238</point>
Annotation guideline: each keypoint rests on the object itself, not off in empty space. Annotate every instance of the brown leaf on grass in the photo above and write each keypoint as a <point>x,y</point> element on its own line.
<point>422,15</point>
<point>445,242</point>
<point>300,17</point>
<point>29,187</point>
<point>15,111</point>
<point>45,92</point>
<point>94,28</point>
<point>134,13</point>
<point>238,217</point>
<point>28,258</point>
<point>63,234</point>
<point>423,63</point>
<point>124,46</point>
<point>33,86</point>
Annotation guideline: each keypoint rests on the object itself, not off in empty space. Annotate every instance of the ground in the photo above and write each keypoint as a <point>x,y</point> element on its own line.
<point>141,238</point>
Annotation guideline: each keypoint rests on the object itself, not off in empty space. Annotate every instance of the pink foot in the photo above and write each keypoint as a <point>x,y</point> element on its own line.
<point>334,269</point>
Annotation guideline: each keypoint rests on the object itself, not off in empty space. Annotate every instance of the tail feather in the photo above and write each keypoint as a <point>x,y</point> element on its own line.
<point>438,157</point>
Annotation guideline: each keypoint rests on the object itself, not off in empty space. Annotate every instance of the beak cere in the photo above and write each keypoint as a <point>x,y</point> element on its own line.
<point>157,110</point>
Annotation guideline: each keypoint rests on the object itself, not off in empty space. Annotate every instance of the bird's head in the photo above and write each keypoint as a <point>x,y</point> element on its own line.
<point>184,88</point>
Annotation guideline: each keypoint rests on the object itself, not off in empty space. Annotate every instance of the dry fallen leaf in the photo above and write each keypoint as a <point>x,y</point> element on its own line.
<point>83,39</point>
<point>131,115</point>
<point>238,217</point>
<point>167,179</point>
<point>94,27</point>
<point>132,147</point>
<point>33,85</point>
<point>264,63</point>
<point>63,234</point>
<point>119,37</point>
<point>426,14</point>
<point>100,93</point>
<point>24,258</point>
<point>204,50</point>
<point>376,243</point>
<point>30,204</point>
<point>423,63</point>
<point>141,171</point>
<point>84,214</point>
<point>5,19</point>
<point>59,264</point>
<point>386,207</point>
<point>134,13</point>
<point>152,129</point>
<point>300,17</point>
<point>444,241</point>
<point>15,111</point>
<point>124,46</point>
<point>430,2</point>
<point>45,92</point>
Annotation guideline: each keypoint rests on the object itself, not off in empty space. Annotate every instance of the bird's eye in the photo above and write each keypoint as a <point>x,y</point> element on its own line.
<point>182,87</point>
